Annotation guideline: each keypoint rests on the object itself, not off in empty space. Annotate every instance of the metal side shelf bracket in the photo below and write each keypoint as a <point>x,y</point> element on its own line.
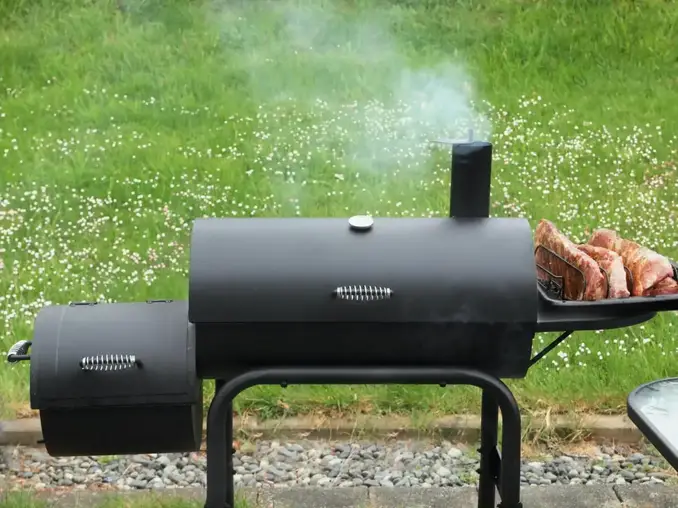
<point>541,354</point>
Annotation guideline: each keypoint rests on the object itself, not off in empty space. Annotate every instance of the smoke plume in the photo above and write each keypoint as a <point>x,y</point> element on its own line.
<point>382,106</point>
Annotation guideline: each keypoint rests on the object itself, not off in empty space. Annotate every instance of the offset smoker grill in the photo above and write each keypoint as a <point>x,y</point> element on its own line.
<point>278,301</point>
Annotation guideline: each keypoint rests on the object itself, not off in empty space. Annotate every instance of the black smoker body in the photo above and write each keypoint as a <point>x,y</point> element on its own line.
<point>315,292</point>
<point>277,301</point>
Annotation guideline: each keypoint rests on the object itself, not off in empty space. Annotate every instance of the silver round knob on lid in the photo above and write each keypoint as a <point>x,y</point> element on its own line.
<point>361,222</point>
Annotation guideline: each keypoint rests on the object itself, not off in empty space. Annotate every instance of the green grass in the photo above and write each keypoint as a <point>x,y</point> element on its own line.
<point>120,126</point>
<point>104,500</point>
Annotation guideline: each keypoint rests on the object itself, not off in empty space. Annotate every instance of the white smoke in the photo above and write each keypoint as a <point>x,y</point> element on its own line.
<point>317,51</point>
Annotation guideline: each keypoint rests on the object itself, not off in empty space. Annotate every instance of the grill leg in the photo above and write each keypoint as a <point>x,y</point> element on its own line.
<point>489,424</point>
<point>220,488</point>
<point>509,463</point>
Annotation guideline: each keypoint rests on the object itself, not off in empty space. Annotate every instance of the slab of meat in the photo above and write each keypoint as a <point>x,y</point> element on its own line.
<point>613,265</point>
<point>667,286</point>
<point>592,287</point>
<point>646,266</point>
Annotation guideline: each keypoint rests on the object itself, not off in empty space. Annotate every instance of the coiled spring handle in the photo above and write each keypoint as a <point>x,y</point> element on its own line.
<point>19,352</point>
<point>109,362</point>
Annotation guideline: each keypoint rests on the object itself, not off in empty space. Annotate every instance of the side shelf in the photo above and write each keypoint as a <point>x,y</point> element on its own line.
<point>558,318</point>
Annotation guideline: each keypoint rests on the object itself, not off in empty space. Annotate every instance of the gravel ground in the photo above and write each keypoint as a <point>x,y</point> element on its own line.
<point>324,464</point>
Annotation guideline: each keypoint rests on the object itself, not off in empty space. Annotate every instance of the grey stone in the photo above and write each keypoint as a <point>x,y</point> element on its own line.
<point>627,475</point>
<point>636,458</point>
<point>273,464</point>
<point>335,462</point>
<point>454,453</point>
<point>443,472</point>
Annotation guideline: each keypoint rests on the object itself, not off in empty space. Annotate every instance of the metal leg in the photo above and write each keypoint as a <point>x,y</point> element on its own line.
<point>494,469</point>
<point>220,487</point>
<point>509,476</point>
<point>489,424</point>
<point>228,480</point>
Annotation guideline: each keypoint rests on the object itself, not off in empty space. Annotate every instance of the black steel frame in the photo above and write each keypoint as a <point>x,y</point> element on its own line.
<point>495,473</point>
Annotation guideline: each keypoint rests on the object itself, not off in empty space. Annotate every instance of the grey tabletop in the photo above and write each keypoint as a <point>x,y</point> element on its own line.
<point>653,407</point>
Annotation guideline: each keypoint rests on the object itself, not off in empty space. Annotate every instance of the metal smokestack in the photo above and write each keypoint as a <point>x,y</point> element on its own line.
<point>471,178</point>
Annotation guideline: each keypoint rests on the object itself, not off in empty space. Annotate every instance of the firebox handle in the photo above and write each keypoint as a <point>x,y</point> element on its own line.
<point>19,352</point>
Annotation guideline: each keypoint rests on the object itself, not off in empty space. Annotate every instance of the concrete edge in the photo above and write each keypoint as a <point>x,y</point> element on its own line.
<point>599,496</point>
<point>616,428</point>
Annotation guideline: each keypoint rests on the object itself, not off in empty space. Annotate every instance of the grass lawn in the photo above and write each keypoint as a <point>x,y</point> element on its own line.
<point>121,121</point>
<point>27,500</point>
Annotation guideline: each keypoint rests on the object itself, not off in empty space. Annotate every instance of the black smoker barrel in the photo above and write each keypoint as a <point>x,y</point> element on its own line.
<point>116,379</point>
<point>295,292</point>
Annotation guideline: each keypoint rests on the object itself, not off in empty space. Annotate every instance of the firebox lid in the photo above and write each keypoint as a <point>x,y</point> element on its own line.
<point>116,354</point>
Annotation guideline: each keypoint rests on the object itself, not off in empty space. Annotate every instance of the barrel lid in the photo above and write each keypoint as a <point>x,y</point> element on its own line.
<point>408,270</point>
